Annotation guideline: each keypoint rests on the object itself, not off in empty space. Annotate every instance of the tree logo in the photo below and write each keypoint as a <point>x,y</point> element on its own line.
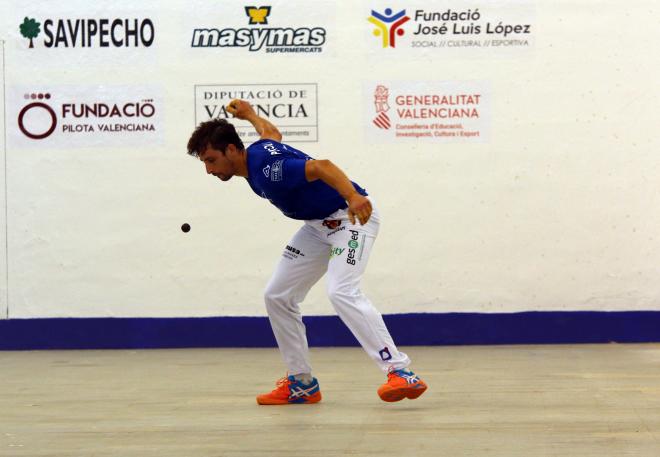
<point>30,29</point>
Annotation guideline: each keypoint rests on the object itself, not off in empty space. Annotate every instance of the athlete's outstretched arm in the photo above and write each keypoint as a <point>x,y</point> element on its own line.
<point>243,110</point>
<point>358,205</point>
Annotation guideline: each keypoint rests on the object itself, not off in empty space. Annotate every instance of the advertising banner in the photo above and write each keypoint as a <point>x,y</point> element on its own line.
<point>77,35</point>
<point>440,28</point>
<point>291,107</point>
<point>281,29</point>
<point>433,111</point>
<point>71,116</point>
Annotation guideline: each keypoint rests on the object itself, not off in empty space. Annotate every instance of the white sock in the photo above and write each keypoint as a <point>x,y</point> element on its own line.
<point>305,378</point>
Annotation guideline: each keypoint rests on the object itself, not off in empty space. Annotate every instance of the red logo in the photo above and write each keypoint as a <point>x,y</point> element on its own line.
<point>331,224</point>
<point>28,130</point>
<point>381,100</point>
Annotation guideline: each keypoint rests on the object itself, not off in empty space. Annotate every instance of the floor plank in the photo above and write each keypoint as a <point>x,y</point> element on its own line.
<point>586,400</point>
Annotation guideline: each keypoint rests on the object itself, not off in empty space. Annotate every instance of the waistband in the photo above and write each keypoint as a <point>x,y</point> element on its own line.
<point>340,217</point>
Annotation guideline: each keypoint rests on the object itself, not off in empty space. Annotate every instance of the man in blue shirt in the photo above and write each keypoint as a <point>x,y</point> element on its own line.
<point>340,227</point>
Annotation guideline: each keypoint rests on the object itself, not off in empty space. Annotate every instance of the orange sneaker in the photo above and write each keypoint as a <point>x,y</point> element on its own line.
<point>291,391</point>
<point>401,384</point>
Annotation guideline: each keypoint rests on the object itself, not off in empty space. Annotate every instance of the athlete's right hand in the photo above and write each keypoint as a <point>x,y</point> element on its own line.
<point>359,207</point>
<point>240,109</point>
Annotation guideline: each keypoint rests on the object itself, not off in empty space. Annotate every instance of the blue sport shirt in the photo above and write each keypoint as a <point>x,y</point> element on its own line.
<point>276,171</point>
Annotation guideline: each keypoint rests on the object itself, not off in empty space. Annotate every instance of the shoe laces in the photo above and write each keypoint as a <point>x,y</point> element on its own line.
<point>391,375</point>
<point>282,382</point>
<point>410,377</point>
<point>282,385</point>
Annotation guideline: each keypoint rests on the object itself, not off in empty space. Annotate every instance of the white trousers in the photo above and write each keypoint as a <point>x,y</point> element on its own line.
<point>342,250</point>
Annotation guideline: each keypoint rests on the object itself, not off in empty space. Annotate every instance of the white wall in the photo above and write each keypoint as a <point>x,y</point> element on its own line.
<point>3,197</point>
<point>554,208</point>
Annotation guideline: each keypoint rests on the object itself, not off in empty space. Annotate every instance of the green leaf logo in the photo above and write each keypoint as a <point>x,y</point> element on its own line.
<point>30,29</point>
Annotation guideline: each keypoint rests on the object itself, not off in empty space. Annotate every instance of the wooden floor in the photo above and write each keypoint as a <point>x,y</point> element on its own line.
<point>527,401</point>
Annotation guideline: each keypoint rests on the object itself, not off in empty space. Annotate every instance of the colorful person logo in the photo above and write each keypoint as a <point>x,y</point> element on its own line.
<point>381,100</point>
<point>388,25</point>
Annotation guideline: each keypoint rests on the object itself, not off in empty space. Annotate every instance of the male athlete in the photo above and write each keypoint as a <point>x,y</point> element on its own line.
<point>336,239</point>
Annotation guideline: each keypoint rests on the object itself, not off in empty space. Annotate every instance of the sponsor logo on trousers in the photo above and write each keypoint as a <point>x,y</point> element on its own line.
<point>292,253</point>
<point>336,252</point>
<point>331,224</point>
<point>353,245</point>
<point>335,231</point>
<point>385,354</point>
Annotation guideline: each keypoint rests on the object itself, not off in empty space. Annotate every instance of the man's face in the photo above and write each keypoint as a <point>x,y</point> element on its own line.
<point>217,163</point>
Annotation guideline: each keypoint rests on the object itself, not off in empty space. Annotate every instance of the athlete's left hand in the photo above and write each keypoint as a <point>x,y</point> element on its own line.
<point>359,207</point>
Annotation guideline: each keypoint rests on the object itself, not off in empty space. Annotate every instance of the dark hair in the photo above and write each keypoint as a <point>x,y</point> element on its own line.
<point>218,133</point>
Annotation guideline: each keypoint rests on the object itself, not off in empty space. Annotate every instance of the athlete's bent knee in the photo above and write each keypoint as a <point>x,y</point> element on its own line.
<point>339,292</point>
<point>271,296</point>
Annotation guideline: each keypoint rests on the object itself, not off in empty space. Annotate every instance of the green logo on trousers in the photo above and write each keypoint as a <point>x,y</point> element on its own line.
<point>336,252</point>
<point>353,244</point>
